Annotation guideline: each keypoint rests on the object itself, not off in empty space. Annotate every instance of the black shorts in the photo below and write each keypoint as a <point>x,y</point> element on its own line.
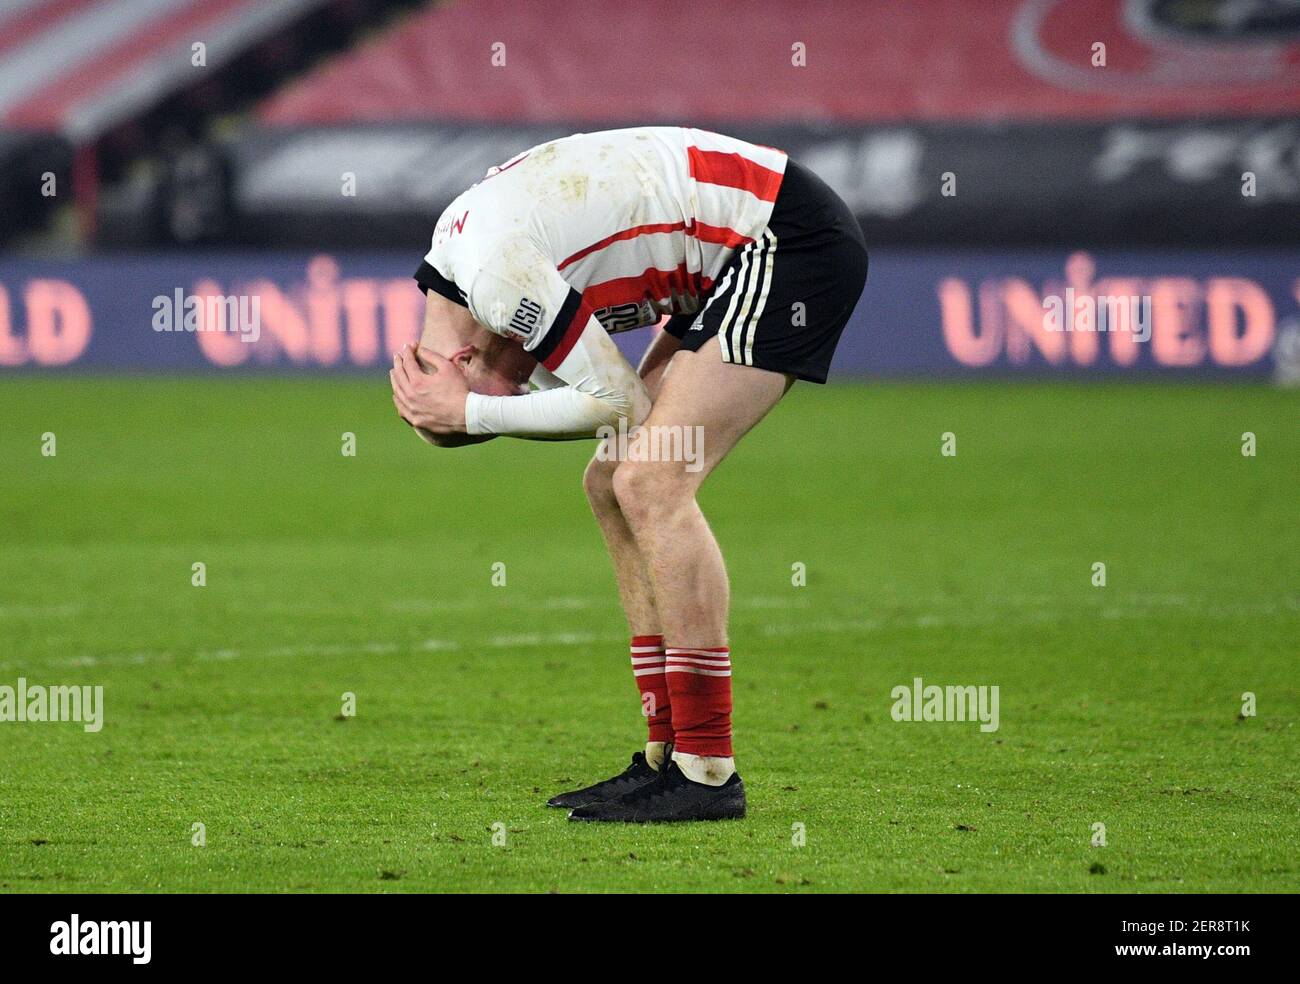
<point>781,302</point>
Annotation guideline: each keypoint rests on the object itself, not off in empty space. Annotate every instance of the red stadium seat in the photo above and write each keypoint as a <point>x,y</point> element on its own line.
<point>774,61</point>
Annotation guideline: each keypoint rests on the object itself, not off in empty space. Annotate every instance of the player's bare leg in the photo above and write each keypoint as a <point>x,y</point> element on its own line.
<point>658,497</point>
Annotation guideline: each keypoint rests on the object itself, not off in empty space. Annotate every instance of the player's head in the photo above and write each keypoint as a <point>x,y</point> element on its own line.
<point>493,366</point>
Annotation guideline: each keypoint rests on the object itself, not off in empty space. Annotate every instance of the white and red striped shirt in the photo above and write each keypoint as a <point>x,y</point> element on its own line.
<point>623,225</point>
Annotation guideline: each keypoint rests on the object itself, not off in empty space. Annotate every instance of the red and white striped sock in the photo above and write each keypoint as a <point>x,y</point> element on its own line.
<point>699,684</point>
<point>648,669</point>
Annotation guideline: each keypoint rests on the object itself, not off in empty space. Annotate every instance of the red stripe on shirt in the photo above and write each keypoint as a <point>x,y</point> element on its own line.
<point>570,338</point>
<point>652,283</point>
<point>720,235</point>
<point>697,230</point>
<point>734,171</point>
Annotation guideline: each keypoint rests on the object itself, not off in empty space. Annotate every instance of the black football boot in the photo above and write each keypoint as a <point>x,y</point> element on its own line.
<point>669,796</point>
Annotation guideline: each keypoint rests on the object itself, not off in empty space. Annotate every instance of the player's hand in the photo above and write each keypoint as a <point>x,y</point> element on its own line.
<point>434,400</point>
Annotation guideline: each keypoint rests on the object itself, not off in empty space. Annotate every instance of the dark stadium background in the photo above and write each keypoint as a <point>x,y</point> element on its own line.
<point>300,152</point>
<point>233,171</point>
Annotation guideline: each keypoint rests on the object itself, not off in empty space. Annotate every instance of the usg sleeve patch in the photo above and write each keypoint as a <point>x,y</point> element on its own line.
<point>526,318</point>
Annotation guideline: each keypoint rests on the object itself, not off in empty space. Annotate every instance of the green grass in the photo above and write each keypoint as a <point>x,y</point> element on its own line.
<point>371,575</point>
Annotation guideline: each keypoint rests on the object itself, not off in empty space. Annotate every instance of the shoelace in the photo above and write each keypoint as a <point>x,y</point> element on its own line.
<point>661,785</point>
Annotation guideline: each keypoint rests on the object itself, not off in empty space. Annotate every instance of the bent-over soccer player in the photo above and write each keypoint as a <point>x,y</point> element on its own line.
<point>756,263</point>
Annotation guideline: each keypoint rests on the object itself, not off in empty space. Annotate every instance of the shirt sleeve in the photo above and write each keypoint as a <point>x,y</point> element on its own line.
<point>517,292</point>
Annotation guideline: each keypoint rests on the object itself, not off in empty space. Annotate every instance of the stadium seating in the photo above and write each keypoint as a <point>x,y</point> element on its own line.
<point>78,67</point>
<point>838,62</point>
<point>1142,141</point>
<point>1176,125</point>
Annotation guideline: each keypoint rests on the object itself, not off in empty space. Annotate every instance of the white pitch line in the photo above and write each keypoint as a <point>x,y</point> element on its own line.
<point>1135,610</point>
<point>531,639</point>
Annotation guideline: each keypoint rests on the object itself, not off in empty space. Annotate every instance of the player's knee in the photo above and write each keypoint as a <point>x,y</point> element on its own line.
<point>644,489</point>
<point>630,489</point>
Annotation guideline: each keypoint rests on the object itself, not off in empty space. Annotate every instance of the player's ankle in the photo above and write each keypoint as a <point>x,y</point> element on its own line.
<point>709,770</point>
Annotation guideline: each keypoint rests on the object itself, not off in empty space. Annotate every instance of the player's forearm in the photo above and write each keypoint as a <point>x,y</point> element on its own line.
<point>564,413</point>
<point>599,390</point>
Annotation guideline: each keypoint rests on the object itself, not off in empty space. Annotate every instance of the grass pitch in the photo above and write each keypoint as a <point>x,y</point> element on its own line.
<point>372,575</point>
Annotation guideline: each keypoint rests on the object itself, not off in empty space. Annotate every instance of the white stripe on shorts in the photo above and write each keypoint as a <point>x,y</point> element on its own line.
<point>762,297</point>
<point>724,326</point>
